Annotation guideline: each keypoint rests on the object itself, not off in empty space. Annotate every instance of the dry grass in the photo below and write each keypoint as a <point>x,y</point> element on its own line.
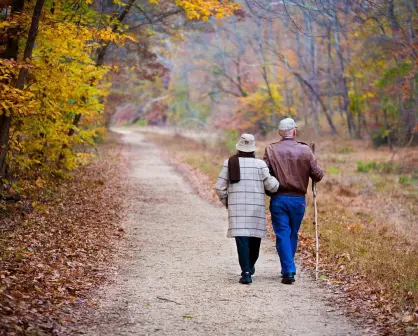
<point>368,225</point>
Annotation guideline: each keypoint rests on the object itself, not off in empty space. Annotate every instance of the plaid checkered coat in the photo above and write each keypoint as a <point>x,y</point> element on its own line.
<point>246,200</point>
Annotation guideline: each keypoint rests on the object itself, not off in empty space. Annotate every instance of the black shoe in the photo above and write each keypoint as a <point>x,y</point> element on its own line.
<point>288,278</point>
<point>246,279</point>
<point>294,273</point>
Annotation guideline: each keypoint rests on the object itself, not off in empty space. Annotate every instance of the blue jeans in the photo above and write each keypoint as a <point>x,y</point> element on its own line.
<point>287,213</point>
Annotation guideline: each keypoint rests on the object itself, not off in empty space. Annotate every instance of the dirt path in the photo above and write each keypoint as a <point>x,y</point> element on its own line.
<point>178,273</point>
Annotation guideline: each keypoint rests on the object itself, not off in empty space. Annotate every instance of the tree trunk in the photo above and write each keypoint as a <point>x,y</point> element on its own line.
<point>358,111</point>
<point>20,83</point>
<point>76,120</point>
<point>4,142</point>
<point>287,97</point>
<point>30,43</point>
<point>359,124</point>
<point>389,138</point>
<point>264,66</point>
<point>12,43</point>
<point>392,17</point>
<point>329,72</point>
<point>11,52</point>
<point>298,52</point>
<point>102,51</point>
<point>312,57</point>
<point>343,79</point>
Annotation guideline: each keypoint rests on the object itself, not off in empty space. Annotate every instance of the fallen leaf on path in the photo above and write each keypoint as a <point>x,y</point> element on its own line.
<point>407,319</point>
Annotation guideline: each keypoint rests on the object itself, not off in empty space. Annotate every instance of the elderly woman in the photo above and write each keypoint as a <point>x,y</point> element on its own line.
<point>240,188</point>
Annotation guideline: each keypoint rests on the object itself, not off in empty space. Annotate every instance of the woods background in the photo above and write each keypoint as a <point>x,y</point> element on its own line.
<point>69,69</point>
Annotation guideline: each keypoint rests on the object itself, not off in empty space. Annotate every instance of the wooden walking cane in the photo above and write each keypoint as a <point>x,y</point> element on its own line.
<point>315,222</point>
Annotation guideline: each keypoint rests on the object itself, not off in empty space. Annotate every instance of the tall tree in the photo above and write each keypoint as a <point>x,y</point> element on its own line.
<point>6,117</point>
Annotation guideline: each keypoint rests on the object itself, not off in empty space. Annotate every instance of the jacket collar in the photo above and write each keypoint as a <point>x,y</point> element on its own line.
<point>287,138</point>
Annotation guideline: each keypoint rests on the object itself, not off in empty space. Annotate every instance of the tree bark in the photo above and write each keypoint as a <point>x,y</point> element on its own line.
<point>102,51</point>
<point>343,79</point>
<point>4,142</point>
<point>388,136</point>
<point>12,43</point>
<point>329,71</point>
<point>358,111</point>
<point>30,43</point>
<point>313,65</point>
<point>11,52</point>
<point>20,83</point>
<point>392,17</point>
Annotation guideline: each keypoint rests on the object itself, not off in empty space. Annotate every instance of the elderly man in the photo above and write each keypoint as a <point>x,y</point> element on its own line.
<point>292,163</point>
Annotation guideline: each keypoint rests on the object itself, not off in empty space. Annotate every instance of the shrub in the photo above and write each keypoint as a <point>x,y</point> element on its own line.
<point>384,167</point>
<point>142,122</point>
<point>344,150</point>
<point>364,167</point>
<point>403,179</point>
<point>230,140</point>
<point>333,170</point>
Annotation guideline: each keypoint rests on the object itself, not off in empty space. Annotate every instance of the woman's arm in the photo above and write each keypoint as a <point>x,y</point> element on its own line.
<point>222,184</point>
<point>270,182</point>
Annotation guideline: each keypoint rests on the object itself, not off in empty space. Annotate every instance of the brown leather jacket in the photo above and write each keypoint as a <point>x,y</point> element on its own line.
<point>292,163</point>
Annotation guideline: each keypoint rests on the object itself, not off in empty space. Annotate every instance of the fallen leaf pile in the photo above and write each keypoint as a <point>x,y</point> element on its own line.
<point>55,249</point>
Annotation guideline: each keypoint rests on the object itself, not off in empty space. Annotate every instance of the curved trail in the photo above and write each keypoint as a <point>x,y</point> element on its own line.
<point>178,273</point>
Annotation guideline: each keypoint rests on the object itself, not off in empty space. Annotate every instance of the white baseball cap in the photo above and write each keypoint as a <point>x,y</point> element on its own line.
<point>246,143</point>
<point>287,124</point>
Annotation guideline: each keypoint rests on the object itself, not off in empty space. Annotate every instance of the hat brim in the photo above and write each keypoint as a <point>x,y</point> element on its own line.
<point>247,149</point>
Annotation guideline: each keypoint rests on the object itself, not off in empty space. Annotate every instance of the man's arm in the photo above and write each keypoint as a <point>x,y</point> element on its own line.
<point>271,184</point>
<point>316,173</point>
<point>266,159</point>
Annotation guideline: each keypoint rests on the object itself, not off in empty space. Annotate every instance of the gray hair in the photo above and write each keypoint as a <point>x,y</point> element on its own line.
<point>287,132</point>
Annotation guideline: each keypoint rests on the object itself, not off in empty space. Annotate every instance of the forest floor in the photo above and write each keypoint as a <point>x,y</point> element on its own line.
<point>177,273</point>
<point>57,243</point>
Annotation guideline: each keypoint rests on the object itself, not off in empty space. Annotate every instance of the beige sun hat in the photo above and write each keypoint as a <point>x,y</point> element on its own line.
<point>287,124</point>
<point>246,143</point>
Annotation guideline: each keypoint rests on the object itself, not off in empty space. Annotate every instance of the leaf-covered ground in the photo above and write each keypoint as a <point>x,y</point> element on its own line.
<point>55,246</point>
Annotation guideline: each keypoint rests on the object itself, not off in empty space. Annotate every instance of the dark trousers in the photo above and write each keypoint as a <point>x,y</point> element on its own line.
<point>248,250</point>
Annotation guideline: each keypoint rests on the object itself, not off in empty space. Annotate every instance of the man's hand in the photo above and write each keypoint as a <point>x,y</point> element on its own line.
<point>225,201</point>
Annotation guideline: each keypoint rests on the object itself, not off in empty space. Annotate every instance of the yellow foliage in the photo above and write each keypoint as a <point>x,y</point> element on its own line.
<point>203,9</point>
<point>64,81</point>
<point>12,99</point>
<point>260,109</point>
